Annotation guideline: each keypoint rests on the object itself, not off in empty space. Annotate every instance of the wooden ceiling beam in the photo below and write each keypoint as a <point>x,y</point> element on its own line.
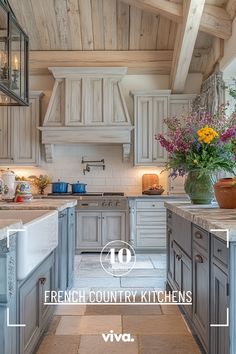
<point>165,8</point>
<point>215,20</point>
<point>185,42</point>
<point>138,62</point>
<point>231,8</point>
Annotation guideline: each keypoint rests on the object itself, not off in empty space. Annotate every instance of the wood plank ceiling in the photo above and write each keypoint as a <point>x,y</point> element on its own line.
<point>134,33</point>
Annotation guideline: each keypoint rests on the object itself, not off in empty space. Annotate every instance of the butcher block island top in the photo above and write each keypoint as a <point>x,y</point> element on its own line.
<point>40,204</point>
<point>208,217</point>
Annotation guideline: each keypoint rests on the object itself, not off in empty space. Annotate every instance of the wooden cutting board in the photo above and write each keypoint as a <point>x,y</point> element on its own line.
<point>149,180</point>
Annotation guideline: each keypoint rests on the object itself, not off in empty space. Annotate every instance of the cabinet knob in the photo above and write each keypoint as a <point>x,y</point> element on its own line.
<point>42,280</point>
<point>178,257</point>
<point>61,215</point>
<point>198,235</point>
<point>219,250</point>
<point>198,259</point>
<point>153,205</point>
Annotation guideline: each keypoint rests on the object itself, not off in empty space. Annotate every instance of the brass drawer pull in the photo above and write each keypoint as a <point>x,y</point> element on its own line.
<point>198,235</point>
<point>198,259</point>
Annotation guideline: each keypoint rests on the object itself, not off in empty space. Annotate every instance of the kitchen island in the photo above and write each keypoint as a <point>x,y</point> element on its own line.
<point>201,258</point>
<point>40,204</point>
<point>21,296</point>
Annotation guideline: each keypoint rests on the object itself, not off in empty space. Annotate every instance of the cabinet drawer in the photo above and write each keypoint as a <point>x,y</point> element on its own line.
<point>151,237</point>
<point>151,218</point>
<point>149,204</point>
<point>201,237</point>
<point>220,250</point>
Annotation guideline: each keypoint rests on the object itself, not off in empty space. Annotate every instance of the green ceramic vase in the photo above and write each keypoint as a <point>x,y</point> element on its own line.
<point>199,187</point>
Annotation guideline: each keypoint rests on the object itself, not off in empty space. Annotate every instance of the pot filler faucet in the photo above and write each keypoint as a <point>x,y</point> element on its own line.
<point>93,163</point>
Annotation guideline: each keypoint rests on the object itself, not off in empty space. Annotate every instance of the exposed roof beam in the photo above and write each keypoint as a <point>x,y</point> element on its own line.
<point>231,8</point>
<point>138,62</point>
<point>215,20</point>
<point>165,8</point>
<point>185,42</point>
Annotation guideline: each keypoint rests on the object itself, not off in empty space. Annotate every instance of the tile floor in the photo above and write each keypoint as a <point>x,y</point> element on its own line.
<point>155,329</point>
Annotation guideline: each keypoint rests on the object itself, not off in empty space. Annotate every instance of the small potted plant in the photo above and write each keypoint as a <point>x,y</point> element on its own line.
<point>40,182</point>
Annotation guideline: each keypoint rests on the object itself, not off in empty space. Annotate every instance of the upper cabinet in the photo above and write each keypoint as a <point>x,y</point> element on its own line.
<point>150,109</point>
<point>180,105</point>
<point>19,134</point>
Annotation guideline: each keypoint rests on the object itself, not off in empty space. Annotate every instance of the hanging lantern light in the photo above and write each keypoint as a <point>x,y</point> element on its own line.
<point>14,53</point>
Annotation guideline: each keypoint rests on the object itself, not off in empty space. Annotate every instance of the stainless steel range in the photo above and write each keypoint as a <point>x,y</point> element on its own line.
<point>103,202</point>
<point>101,218</point>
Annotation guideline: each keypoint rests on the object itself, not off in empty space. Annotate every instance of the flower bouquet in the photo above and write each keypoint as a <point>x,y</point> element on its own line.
<point>200,145</point>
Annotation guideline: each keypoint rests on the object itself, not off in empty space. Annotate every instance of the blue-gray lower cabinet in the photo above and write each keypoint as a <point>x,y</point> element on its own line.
<point>66,248</point>
<point>62,250</point>
<point>70,246</point>
<point>8,295</point>
<point>32,311</point>
<point>219,297</point>
<point>199,261</point>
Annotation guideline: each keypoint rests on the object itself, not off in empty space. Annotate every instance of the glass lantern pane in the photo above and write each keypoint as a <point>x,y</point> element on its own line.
<point>23,68</point>
<point>15,59</point>
<point>4,74</point>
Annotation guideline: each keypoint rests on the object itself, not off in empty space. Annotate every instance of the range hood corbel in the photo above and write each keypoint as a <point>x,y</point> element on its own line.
<point>87,106</point>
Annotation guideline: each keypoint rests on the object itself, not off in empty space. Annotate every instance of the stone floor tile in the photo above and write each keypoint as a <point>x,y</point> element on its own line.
<point>109,282</point>
<point>96,345</point>
<point>59,345</point>
<point>75,325</point>
<point>53,325</point>
<point>86,273</point>
<point>169,343</point>
<point>123,310</point>
<point>140,282</point>
<point>143,264</point>
<point>155,325</point>
<point>146,273</point>
<point>70,310</point>
<point>170,309</point>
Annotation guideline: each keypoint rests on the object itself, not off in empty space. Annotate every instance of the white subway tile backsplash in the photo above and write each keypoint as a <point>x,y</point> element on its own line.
<point>118,176</point>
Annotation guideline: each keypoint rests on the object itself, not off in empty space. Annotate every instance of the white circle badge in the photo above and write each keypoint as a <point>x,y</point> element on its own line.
<point>117,258</point>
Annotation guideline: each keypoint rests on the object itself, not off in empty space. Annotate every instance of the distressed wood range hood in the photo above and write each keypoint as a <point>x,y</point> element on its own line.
<point>87,106</point>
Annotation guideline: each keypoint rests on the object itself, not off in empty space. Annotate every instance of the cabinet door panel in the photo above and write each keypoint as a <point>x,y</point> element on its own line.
<point>152,218</point>
<point>5,137</point>
<point>71,246</point>
<point>152,237</point>
<point>160,111</point>
<point>29,306</point>
<point>201,294</point>
<point>62,251</point>
<point>170,254</point>
<point>113,226</point>
<point>219,304</point>
<point>88,230</point>
<point>144,131</point>
<point>25,121</point>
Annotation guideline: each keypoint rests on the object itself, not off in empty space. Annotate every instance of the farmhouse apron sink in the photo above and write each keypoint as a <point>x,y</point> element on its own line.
<point>37,241</point>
